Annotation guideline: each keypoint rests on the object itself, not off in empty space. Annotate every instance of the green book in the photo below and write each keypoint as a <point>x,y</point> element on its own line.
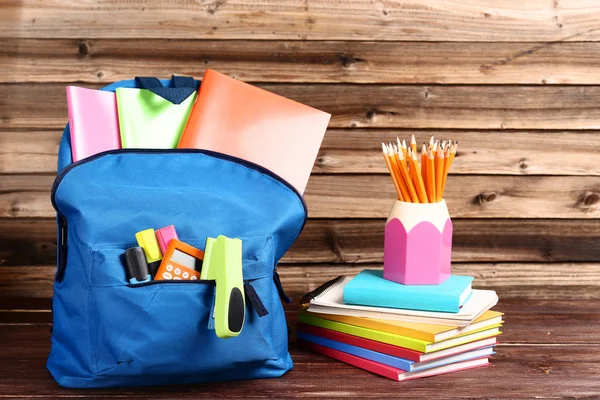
<point>149,121</point>
<point>423,346</point>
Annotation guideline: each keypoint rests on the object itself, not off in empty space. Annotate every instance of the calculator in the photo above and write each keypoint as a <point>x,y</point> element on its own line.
<point>180,262</point>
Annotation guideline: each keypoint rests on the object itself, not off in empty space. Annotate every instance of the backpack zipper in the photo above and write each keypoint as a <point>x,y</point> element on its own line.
<point>62,247</point>
<point>165,281</point>
<point>62,221</point>
<point>254,299</point>
<point>252,296</point>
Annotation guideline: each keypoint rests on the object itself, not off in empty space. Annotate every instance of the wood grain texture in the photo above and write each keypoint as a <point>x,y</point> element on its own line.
<point>474,240</point>
<point>572,20</point>
<point>376,106</point>
<point>33,241</point>
<point>549,348</point>
<point>516,82</point>
<point>27,152</point>
<point>510,280</point>
<point>523,372</point>
<point>370,196</point>
<point>31,281</point>
<point>481,152</point>
<point>359,151</point>
<point>110,60</point>
<point>521,280</point>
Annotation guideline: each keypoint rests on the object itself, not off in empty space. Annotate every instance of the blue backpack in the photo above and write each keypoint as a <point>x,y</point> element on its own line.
<point>108,332</point>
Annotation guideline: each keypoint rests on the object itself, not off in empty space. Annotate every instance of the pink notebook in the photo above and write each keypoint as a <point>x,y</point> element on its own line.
<point>93,121</point>
<point>392,372</point>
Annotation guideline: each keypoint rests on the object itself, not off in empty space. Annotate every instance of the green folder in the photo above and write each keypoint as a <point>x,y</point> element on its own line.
<point>147,120</point>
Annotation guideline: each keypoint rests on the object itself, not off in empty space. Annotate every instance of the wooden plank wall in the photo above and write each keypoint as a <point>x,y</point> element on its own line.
<point>516,82</point>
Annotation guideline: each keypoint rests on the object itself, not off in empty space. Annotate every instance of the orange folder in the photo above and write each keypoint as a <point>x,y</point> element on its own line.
<point>241,120</point>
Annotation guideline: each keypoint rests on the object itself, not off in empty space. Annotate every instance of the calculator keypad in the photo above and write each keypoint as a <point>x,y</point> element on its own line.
<point>176,272</point>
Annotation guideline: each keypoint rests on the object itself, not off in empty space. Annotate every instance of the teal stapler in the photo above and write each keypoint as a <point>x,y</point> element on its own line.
<point>223,264</point>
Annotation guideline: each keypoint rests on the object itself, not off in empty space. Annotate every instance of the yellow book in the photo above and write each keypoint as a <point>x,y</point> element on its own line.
<point>428,332</point>
<point>423,346</point>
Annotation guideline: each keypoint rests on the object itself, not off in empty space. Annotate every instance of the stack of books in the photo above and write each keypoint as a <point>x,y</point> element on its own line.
<point>401,331</point>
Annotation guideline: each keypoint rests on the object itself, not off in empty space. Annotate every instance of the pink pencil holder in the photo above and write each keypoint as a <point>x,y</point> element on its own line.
<point>418,243</point>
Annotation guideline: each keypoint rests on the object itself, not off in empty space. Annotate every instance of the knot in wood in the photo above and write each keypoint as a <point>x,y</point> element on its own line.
<point>83,49</point>
<point>348,60</point>
<point>321,161</point>
<point>588,199</point>
<point>523,164</point>
<point>485,197</point>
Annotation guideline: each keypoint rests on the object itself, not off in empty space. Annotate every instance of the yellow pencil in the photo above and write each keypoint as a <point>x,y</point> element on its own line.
<point>431,177</point>
<point>402,146</point>
<point>386,157</point>
<point>397,171</point>
<point>424,166</point>
<point>446,160</point>
<point>439,173</point>
<point>413,144</point>
<point>417,178</point>
<point>406,178</point>
<point>448,163</point>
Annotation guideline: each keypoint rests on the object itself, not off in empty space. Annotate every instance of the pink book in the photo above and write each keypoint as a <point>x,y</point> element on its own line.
<point>93,121</point>
<point>391,372</point>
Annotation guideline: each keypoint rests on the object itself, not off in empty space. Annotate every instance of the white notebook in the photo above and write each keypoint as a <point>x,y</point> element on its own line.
<point>330,301</point>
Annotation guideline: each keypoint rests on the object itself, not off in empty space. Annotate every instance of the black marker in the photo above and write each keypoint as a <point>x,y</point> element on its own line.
<point>136,266</point>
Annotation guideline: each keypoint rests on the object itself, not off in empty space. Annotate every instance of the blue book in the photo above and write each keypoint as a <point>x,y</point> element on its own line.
<point>382,358</point>
<point>393,361</point>
<point>369,288</point>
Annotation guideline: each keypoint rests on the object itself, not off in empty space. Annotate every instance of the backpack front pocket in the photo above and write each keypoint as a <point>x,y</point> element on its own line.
<point>162,328</point>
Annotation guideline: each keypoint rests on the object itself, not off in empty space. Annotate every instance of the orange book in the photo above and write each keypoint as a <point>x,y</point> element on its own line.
<point>241,120</point>
<point>428,332</point>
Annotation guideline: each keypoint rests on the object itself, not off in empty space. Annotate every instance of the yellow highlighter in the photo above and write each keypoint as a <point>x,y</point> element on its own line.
<point>223,264</point>
<point>147,240</point>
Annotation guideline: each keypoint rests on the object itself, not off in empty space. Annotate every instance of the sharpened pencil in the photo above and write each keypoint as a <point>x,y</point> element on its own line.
<point>439,173</point>
<point>407,179</point>
<point>431,177</point>
<point>397,171</point>
<point>391,170</point>
<point>446,160</point>
<point>413,144</point>
<point>448,163</point>
<point>417,178</point>
<point>403,147</point>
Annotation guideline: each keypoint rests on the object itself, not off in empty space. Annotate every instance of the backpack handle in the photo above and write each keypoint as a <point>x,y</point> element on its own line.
<point>183,87</point>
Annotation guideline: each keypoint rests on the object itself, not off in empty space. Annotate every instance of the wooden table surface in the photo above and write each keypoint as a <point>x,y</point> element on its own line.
<point>548,348</point>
